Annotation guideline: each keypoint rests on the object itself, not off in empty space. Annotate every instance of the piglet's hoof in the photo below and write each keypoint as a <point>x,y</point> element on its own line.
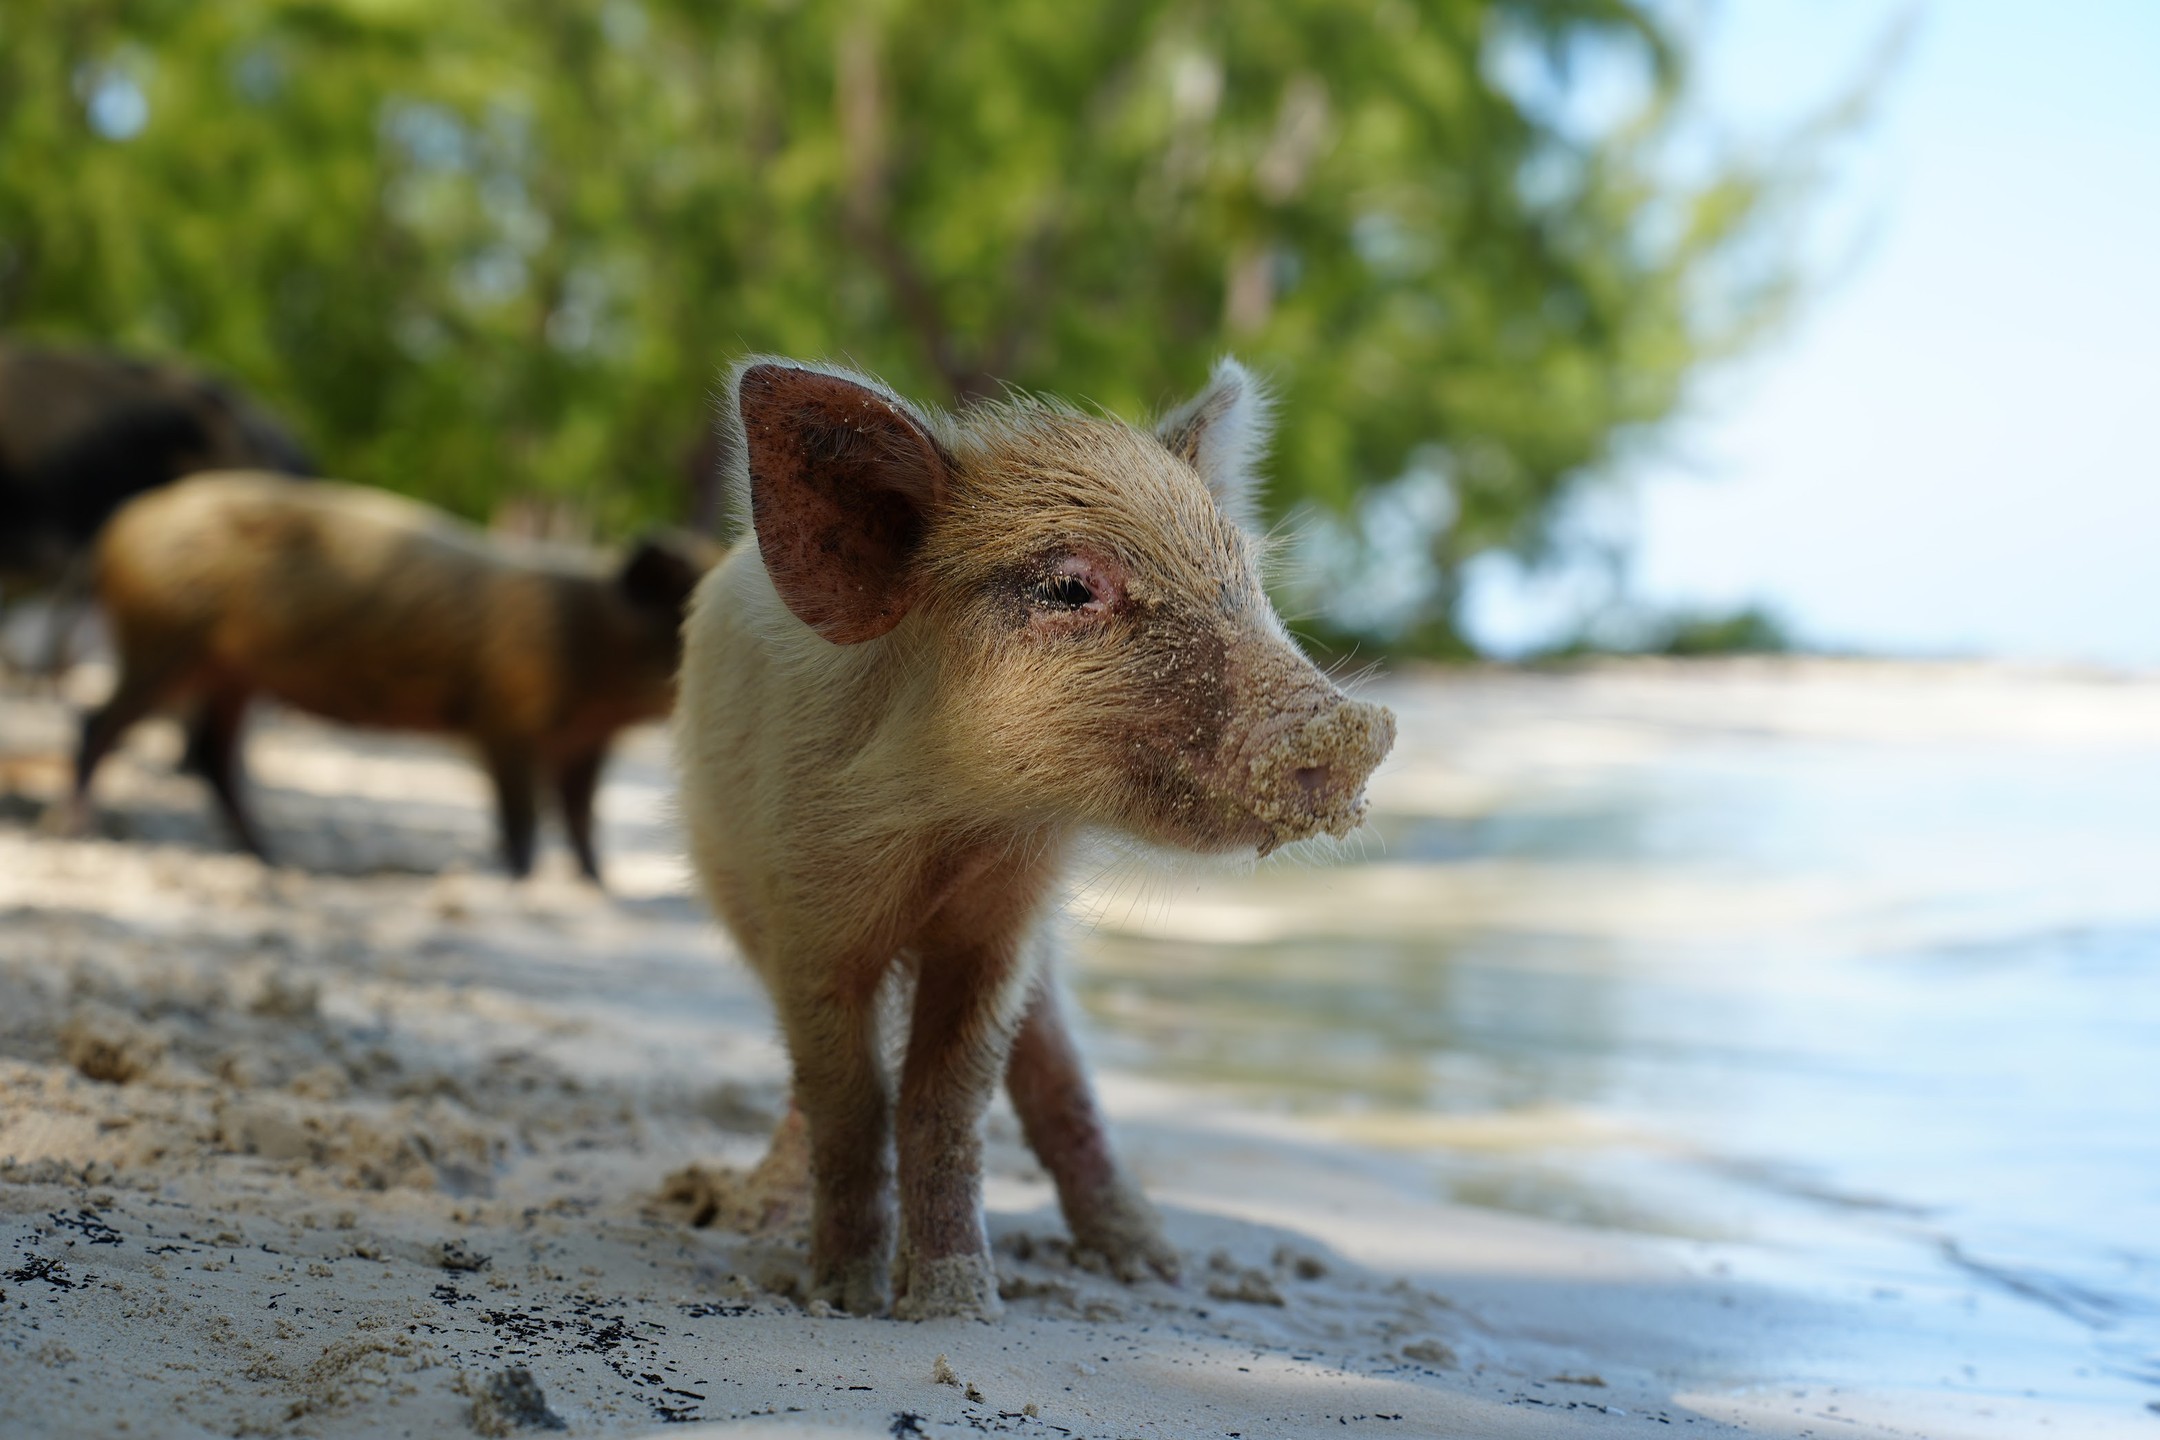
<point>860,1287</point>
<point>1118,1233</point>
<point>953,1287</point>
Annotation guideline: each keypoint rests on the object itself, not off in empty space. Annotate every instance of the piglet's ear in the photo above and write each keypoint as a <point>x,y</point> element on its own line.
<point>1223,433</point>
<point>844,483</point>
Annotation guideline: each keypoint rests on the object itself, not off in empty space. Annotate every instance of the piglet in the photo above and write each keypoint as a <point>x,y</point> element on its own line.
<point>953,645</point>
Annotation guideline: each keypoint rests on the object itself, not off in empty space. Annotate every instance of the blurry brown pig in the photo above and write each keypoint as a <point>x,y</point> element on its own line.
<point>954,644</point>
<point>371,609</point>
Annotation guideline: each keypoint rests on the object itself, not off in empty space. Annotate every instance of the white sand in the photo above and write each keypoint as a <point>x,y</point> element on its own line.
<point>321,1150</point>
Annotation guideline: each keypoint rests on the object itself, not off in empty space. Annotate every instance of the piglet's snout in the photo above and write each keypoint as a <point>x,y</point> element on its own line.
<point>1311,779</point>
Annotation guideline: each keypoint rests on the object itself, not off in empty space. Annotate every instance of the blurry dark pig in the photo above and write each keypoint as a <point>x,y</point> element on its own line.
<point>955,643</point>
<point>371,609</point>
<point>83,431</point>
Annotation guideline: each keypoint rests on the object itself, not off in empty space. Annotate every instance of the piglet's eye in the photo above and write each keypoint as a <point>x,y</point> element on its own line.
<point>1062,592</point>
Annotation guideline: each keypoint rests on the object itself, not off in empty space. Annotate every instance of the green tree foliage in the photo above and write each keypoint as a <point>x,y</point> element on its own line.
<point>486,249</point>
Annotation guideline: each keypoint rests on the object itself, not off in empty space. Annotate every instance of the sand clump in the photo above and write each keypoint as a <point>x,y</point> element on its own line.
<point>1431,1352</point>
<point>770,1198</point>
<point>107,1044</point>
<point>509,1401</point>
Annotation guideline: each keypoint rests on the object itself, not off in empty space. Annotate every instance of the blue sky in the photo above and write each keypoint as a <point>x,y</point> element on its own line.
<point>1953,450</point>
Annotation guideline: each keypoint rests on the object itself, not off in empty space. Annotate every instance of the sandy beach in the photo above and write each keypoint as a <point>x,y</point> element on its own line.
<point>377,1142</point>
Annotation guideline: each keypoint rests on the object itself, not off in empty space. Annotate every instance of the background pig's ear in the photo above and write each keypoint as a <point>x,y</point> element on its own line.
<point>844,481</point>
<point>661,571</point>
<point>1223,433</point>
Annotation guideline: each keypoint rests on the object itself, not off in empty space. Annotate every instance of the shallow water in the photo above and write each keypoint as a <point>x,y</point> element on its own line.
<point>1856,968</point>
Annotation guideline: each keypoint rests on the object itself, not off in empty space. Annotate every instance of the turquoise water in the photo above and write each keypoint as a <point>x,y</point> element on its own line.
<point>1859,969</point>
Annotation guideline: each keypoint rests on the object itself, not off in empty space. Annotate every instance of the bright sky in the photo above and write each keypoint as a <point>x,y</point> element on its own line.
<point>1957,448</point>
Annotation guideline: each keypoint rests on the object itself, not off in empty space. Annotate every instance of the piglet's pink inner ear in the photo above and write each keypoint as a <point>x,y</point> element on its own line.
<point>844,482</point>
<point>1223,434</point>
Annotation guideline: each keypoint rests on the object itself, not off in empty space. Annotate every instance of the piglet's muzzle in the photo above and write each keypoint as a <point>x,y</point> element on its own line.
<point>1310,778</point>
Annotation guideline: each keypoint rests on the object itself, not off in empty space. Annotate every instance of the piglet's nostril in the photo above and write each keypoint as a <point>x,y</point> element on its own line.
<point>1312,781</point>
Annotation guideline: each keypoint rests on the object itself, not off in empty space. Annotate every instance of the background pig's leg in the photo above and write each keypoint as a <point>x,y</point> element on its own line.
<point>967,1000</point>
<point>1110,1218</point>
<point>830,1015</point>
<point>511,768</point>
<point>141,687</point>
<point>575,783</point>
<point>213,752</point>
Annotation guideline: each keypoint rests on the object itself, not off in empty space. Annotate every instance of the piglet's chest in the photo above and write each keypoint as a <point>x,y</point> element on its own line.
<point>980,897</point>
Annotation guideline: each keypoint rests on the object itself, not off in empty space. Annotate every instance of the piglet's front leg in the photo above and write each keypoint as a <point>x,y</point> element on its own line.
<point>967,1000</point>
<point>1112,1221</point>
<point>841,1089</point>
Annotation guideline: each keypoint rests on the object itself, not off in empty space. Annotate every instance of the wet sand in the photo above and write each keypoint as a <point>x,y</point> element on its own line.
<point>341,1147</point>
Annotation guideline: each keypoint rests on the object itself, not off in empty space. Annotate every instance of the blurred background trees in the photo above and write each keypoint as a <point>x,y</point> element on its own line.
<point>494,253</point>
